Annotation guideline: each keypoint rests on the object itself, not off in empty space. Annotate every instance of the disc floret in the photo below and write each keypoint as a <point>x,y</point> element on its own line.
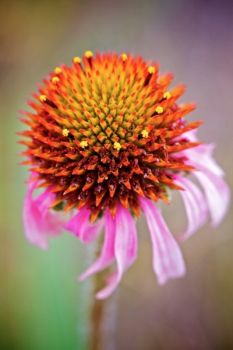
<point>107,128</point>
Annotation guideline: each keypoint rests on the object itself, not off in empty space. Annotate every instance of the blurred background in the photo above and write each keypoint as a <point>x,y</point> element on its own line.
<point>41,305</point>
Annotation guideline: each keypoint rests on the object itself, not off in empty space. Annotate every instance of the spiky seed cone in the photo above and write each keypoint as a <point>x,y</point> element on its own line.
<point>104,131</point>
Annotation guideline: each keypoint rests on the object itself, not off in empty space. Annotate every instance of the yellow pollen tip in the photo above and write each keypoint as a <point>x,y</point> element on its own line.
<point>151,70</point>
<point>124,57</point>
<point>144,134</point>
<point>88,54</point>
<point>83,144</point>
<point>77,59</point>
<point>57,70</point>
<point>55,80</point>
<point>167,95</point>
<point>43,98</point>
<point>65,132</point>
<point>159,109</point>
<point>117,146</point>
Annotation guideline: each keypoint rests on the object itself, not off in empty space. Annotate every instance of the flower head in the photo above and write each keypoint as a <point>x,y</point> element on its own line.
<point>107,138</point>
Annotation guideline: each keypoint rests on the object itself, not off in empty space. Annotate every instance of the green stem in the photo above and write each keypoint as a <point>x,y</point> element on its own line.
<point>102,314</point>
<point>97,318</point>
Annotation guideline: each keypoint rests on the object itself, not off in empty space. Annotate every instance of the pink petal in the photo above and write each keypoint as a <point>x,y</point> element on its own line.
<point>191,135</point>
<point>217,194</point>
<point>39,222</point>
<point>167,258</point>
<point>107,254</point>
<point>202,155</point>
<point>112,283</point>
<point>195,205</point>
<point>82,228</point>
<point>210,175</point>
<point>125,249</point>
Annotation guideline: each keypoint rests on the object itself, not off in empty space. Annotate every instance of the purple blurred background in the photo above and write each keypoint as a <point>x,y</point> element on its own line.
<point>40,300</point>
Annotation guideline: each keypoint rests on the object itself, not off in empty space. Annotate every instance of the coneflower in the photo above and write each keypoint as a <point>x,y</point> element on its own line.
<point>108,141</point>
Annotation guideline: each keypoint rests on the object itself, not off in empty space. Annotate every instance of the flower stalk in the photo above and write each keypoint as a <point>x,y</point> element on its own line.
<point>102,313</point>
<point>97,317</point>
<point>97,308</point>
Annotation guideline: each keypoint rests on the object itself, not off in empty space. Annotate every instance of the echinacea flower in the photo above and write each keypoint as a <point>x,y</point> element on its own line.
<point>107,141</point>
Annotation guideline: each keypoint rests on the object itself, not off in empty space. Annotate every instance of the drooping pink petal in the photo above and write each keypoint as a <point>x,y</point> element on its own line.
<point>210,176</point>
<point>81,227</point>
<point>107,254</point>
<point>167,257</point>
<point>39,221</point>
<point>217,194</point>
<point>195,205</point>
<point>125,249</point>
<point>202,156</point>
